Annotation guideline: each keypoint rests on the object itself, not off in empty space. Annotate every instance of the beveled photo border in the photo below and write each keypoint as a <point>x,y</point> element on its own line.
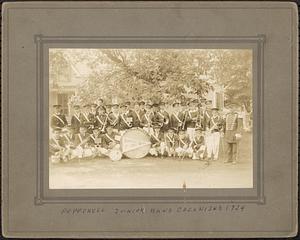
<point>43,43</point>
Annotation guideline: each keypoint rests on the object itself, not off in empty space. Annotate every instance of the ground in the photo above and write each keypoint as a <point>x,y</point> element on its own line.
<point>150,172</point>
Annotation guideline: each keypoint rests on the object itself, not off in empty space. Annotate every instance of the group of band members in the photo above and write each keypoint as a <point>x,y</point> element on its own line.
<point>187,130</point>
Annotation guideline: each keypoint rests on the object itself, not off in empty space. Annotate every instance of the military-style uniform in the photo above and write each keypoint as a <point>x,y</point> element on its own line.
<point>96,144</point>
<point>214,127</point>
<point>206,117</point>
<point>232,131</point>
<point>58,149</point>
<point>157,119</point>
<point>82,140</point>
<point>101,121</point>
<point>198,146</point>
<point>157,143</point>
<point>95,140</point>
<point>85,120</point>
<point>136,118</point>
<point>183,146</point>
<point>58,121</point>
<point>192,119</point>
<point>125,121</point>
<point>82,143</point>
<point>76,122</point>
<point>146,122</point>
<point>176,120</point>
<point>114,120</point>
<point>171,142</point>
<point>110,140</point>
<point>166,120</point>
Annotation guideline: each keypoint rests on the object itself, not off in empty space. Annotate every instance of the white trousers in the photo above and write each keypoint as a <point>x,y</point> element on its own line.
<point>191,132</point>
<point>213,144</point>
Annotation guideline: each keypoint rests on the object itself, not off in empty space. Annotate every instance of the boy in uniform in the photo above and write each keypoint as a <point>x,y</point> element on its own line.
<point>101,120</point>
<point>57,147</point>
<point>142,108</point>
<point>76,119</point>
<point>84,117</point>
<point>114,117</point>
<point>171,140</point>
<point>192,119</point>
<point>92,116</point>
<point>166,117</point>
<point>183,145</point>
<point>81,142</point>
<point>125,120</point>
<point>146,120</point>
<point>95,142</point>
<point>176,118</point>
<point>58,119</point>
<point>157,118</point>
<point>135,115</point>
<point>110,138</point>
<point>157,141</point>
<point>198,145</point>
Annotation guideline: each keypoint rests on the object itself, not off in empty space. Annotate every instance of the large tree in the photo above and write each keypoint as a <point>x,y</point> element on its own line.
<point>161,74</point>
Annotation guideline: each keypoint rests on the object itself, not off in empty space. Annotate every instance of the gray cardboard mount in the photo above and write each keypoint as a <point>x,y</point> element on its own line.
<point>30,209</point>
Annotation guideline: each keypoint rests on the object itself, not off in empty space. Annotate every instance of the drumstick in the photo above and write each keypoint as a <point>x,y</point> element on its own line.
<point>136,147</point>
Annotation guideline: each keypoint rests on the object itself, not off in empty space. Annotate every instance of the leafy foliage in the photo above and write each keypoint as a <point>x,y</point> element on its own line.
<point>163,74</point>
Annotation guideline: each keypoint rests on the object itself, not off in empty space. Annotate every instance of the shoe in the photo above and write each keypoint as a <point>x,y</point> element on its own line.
<point>233,163</point>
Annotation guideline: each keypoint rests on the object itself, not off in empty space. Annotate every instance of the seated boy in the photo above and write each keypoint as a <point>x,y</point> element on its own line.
<point>198,145</point>
<point>81,143</point>
<point>157,141</point>
<point>96,143</point>
<point>57,147</point>
<point>170,141</point>
<point>183,147</point>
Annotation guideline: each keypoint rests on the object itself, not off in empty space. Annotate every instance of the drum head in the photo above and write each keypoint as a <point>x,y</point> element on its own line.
<point>135,143</point>
<point>115,155</point>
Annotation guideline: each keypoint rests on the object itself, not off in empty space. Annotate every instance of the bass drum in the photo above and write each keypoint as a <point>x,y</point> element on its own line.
<point>135,143</point>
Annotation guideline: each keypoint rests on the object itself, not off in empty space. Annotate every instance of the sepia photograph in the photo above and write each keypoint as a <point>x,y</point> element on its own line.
<point>150,118</point>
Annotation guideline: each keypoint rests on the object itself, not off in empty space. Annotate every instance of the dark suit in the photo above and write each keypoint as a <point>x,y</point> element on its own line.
<point>231,128</point>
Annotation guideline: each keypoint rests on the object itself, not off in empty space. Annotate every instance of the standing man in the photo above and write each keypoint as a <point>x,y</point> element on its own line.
<point>58,119</point>
<point>232,134</point>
